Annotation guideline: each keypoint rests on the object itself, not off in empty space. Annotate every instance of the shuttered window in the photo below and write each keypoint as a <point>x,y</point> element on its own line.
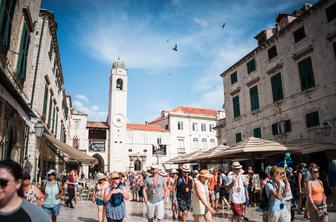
<point>312,119</point>
<point>45,100</point>
<point>50,109</point>
<point>277,87</point>
<point>272,52</point>
<point>51,49</point>
<point>254,98</point>
<point>331,12</point>
<point>306,73</point>
<point>299,34</point>
<point>257,132</point>
<point>56,123</point>
<point>53,120</point>
<point>7,8</point>
<point>234,78</point>
<point>238,137</point>
<point>236,108</point>
<point>251,66</point>
<point>23,53</point>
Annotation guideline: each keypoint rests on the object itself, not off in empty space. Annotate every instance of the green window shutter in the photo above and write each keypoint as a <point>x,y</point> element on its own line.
<point>56,124</point>
<point>53,120</point>
<point>331,12</point>
<point>275,129</point>
<point>272,52</point>
<point>299,34</point>
<point>50,109</point>
<point>234,78</point>
<point>236,108</point>
<point>7,8</point>
<point>312,119</point>
<point>306,73</point>
<point>23,53</point>
<point>45,100</point>
<point>238,137</point>
<point>257,132</point>
<point>254,98</point>
<point>251,66</point>
<point>276,87</point>
<point>288,125</point>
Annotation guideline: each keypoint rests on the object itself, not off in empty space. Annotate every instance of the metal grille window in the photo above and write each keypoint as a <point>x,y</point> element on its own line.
<point>238,137</point>
<point>272,52</point>
<point>312,119</point>
<point>7,8</point>
<point>236,108</point>
<point>23,53</point>
<point>277,87</point>
<point>251,66</point>
<point>299,34</point>
<point>254,98</point>
<point>331,12</point>
<point>234,78</point>
<point>306,73</point>
<point>257,132</point>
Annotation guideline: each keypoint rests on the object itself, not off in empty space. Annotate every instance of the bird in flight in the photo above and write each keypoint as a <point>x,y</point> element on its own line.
<point>223,25</point>
<point>175,48</point>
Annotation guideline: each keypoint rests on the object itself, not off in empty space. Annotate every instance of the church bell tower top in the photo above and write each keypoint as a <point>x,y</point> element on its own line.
<point>118,64</point>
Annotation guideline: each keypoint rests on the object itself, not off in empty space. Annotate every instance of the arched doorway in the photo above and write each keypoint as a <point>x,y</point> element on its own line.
<point>137,165</point>
<point>99,167</point>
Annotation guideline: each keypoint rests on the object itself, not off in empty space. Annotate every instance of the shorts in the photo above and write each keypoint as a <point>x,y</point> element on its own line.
<point>238,209</point>
<point>212,195</point>
<point>222,193</point>
<point>184,204</point>
<point>100,202</point>
<point>76,186</point>
<point>54,211</point>
<point>155,209</point>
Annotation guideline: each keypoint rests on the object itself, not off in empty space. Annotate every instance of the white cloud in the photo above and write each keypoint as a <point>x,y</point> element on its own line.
<point>201,22</point>
<point>94,112</point>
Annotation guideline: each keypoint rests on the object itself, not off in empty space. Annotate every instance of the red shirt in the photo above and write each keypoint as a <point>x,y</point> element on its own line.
<point>71,179</point>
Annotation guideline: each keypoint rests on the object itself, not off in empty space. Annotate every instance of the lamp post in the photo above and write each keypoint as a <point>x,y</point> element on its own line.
<point>39,130</point>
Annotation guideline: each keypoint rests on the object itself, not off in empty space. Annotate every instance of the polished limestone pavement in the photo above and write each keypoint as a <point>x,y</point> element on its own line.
<point>86,211</point>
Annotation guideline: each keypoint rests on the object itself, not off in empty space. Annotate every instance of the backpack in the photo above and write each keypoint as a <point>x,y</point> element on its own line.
<point>264,199</point>
<point>117,198</point>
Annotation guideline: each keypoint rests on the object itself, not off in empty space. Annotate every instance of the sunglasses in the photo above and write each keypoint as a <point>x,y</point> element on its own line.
<point>52,174</point>
<point>3,183</point>
<point>315,171</point>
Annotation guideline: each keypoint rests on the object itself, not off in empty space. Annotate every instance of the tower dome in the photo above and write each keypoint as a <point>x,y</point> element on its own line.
<point>118,64</point>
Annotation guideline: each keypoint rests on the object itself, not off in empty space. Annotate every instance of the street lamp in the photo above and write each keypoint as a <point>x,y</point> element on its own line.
<point>39,129</point>
<point>326,129</point>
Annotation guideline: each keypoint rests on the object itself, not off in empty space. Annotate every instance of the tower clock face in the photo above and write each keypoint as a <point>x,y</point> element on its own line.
<point>118,120</point>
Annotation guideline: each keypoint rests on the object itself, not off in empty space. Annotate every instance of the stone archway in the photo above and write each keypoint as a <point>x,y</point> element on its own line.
<point>99,167</point>
<point>137,165</point>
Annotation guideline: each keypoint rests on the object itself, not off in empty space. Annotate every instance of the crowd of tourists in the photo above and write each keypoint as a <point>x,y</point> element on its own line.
<point>279,192</point>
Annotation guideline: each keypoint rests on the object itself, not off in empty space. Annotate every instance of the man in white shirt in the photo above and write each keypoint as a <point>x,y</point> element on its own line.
<point>235,186</point>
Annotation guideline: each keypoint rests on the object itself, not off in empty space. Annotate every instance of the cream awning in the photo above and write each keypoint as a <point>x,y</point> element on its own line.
<point>73,153</point>
<point>307,146</point>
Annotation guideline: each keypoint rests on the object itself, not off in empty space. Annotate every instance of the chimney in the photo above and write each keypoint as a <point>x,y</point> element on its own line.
<point>283,20</point>
<point>264,35</point>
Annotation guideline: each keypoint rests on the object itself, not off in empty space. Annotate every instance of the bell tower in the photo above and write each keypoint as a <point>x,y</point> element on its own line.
<point>117,117</point>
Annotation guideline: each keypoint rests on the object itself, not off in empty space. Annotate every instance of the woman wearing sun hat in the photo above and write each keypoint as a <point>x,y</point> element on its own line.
<point>236,187</point>
<point>115,197</point>
<point>200,198</point>
<point>98,196</point>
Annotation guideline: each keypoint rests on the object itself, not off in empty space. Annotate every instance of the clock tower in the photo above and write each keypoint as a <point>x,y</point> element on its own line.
<point>117,117</point>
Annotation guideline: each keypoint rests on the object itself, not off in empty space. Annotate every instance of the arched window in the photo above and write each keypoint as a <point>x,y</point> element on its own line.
<point>195,143</point>
<point>204,142</point>
<point>212,143</point>
<point>119,84</point>
<point>75,142</point>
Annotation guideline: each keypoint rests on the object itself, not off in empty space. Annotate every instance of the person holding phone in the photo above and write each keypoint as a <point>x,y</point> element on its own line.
<point>276,191</point>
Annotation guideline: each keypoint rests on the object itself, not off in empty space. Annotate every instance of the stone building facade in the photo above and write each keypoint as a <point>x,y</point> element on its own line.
<point>17,40</point>
<point>285,88</point>
<point>50,103</point>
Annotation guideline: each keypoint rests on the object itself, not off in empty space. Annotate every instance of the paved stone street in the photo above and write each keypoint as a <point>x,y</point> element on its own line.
<point>86,211</point>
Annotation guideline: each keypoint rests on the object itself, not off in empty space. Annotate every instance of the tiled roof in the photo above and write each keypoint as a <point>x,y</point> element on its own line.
<point>97,124</point>
<point>158,119</point>
<point>146,127</point>
<point>196,111</point>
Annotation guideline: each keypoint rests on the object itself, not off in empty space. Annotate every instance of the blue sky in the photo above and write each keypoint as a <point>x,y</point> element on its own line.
<point>92,34</point>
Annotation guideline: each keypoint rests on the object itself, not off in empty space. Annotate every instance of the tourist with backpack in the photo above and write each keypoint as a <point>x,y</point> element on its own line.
<point>222,190</point>
<point>275,192</point>
<point>183,187</point>
<point>115,197</point>
<point>235,186</point>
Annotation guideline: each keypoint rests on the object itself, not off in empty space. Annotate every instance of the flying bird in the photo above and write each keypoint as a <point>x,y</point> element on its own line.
<point>223,25</point>
<point>175,48</point>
